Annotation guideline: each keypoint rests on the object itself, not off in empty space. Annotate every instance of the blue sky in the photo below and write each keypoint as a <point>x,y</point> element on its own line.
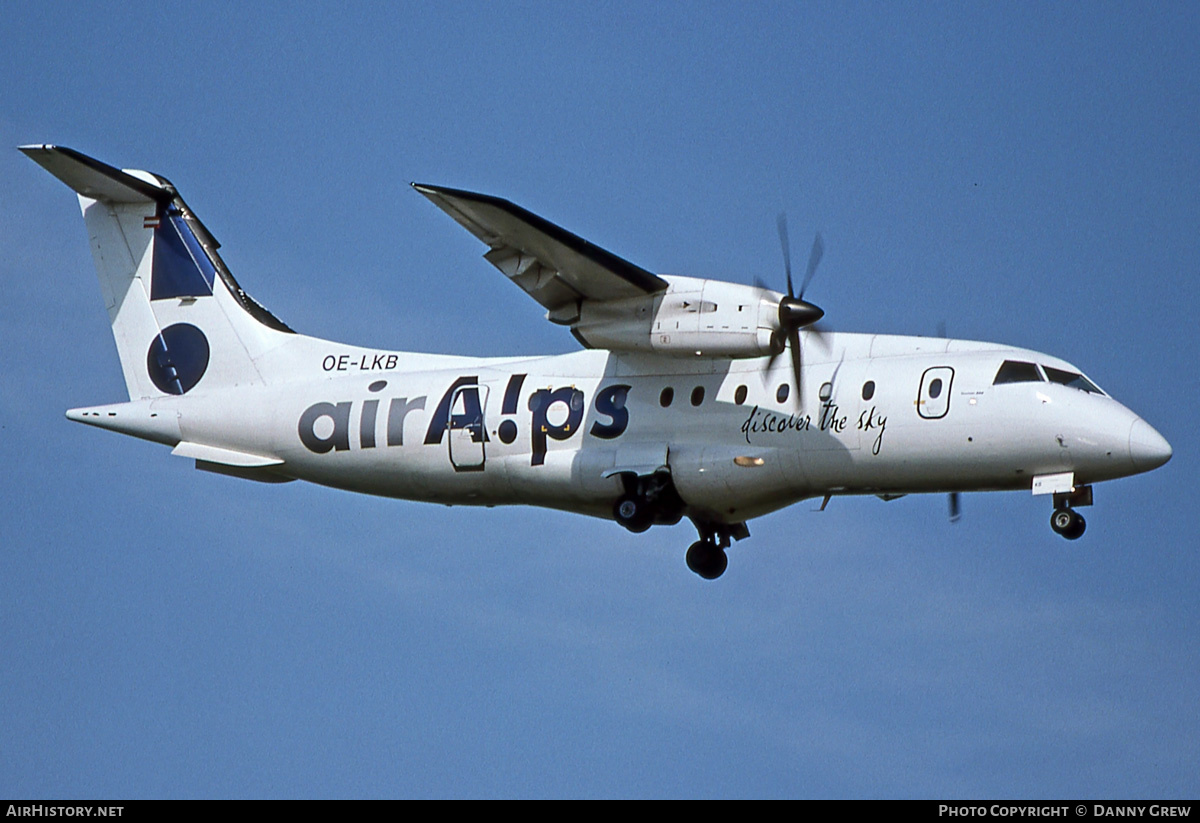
<point>1027,173</point>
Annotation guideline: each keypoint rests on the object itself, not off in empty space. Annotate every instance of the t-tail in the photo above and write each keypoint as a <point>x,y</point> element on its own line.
<point>180,320</point>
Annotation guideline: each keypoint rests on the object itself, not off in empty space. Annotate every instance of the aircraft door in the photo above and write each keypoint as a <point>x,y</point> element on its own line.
<point>933,401</point>
<point>465,429</point>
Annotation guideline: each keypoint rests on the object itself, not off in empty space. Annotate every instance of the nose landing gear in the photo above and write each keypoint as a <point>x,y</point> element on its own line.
<point>1068,522</point>
<point>1064,519</point>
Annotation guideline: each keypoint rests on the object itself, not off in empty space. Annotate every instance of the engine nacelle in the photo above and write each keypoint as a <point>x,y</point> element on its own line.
<point>693,317</point>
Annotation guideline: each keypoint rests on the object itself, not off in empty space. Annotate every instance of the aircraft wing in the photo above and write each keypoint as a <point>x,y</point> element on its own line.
<point>558,269</point>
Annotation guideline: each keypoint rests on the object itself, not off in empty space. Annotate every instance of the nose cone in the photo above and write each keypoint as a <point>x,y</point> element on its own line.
<point>1147,448</point>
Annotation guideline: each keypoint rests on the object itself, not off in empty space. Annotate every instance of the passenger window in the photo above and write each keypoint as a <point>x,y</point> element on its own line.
<point>781,394</point>
<point>1070,378</point>
<point>664,399</point>
<point>826,391</point>
<point>739,396</point>
<point>697,395</point>
<point>1016,371</point>
<point>935,388</point>
<point>868,390</point>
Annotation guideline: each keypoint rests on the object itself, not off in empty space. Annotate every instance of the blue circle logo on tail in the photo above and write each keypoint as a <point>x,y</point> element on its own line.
<point>178,358</point>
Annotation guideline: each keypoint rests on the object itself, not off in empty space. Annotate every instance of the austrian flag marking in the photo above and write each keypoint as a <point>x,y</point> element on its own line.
<point>150,222</point>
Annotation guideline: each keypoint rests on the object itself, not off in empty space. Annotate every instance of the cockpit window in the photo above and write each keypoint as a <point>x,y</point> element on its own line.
<point>1070,378</point>
<point>1016,371</point>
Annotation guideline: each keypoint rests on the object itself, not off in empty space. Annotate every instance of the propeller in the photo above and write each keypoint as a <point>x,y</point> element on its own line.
<point>796,313</point>
<point>955,506</point>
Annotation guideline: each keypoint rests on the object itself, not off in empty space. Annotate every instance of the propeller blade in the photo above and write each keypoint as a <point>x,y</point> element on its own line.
<point>794,345</point>
<point>794,312</point>
<point>814,260</point>
<point>771,361</point>
<point>781,222</point>
<point>955,509</point>
<point>836,369</point>
<point>817,333</point>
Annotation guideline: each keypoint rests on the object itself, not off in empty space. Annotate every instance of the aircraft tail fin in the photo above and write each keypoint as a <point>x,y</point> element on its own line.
<point>179,318</point>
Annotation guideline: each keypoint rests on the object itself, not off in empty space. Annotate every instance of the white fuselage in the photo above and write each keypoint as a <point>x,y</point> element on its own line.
<point>557,431</point>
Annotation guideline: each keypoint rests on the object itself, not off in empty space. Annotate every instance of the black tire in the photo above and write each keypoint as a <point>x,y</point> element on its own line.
<point>1061,520</point>
<point>1077,528</point>
<point>633,513</point>
<point>707,560</point>
<point>1069,523</point>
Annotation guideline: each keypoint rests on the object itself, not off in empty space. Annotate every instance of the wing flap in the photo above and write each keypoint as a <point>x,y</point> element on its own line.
<point>554,266</point>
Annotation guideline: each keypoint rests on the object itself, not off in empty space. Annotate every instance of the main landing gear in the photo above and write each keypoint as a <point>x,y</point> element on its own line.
<point>647,500</point>
<point>1065,520</point>
<point>651,499</point>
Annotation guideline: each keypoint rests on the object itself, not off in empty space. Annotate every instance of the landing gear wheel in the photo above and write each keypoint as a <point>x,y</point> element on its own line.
<point>633,513</point>
<point>1076,531</point>
<point>1069,523</point>
<point>707,560</point>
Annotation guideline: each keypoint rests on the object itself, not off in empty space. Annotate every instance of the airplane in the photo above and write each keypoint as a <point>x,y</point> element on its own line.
<point>697,398</point>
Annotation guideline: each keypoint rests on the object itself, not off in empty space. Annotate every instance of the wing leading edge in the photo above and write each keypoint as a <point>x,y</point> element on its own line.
<point>555,267</point>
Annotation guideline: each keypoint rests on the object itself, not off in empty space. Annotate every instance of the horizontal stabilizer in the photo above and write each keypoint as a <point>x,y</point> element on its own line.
<point>93,179</point>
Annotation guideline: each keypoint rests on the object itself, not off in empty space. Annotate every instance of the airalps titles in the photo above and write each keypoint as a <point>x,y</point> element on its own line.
<point>324,427</point>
